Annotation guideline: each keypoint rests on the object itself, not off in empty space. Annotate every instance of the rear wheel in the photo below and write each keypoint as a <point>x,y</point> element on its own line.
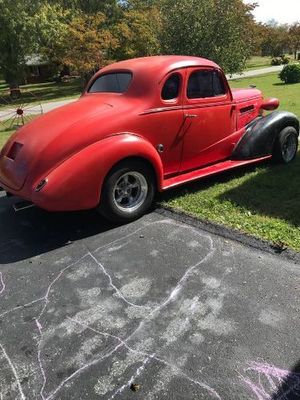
<point>286,145</point>
<point>128,191</point>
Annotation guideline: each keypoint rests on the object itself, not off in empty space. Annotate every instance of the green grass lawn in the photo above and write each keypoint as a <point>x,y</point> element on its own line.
<point>43,92</point>
<point>263,201</point>
<point>36,93</point>
<point>257,62</point>
<point>6,129</point>
<point>4,135</point>
<point>271,86</point>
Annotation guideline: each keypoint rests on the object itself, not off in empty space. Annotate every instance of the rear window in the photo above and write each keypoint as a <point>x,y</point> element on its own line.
<point>114,83</point>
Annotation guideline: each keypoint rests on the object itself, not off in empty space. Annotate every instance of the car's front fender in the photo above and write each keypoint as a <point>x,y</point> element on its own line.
<point>260,135</point>
<point>76,183</point>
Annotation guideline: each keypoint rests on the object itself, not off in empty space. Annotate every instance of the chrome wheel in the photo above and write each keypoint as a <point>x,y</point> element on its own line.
<point>130,192</point>
<point>289,148</point>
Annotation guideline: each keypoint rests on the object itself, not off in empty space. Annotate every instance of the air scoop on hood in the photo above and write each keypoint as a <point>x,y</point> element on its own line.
<point>49,139</point>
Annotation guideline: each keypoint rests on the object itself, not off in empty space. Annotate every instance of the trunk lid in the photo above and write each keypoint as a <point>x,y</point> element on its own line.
<point>51,138</point>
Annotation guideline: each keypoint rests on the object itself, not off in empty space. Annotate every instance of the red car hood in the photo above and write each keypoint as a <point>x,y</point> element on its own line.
<point>50,139</point>
<point>240,95</point>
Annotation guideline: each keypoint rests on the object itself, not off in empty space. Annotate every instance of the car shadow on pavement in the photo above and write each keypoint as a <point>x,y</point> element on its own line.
<point>290,387</point>
<point>32,232</point>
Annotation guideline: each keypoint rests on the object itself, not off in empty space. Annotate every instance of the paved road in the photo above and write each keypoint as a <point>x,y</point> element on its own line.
<point>87,309</point>
<point>256,72</point>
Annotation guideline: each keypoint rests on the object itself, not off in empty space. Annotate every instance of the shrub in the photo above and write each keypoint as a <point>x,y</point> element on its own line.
<point>280,60</point>
<point>285,60</point>
<point>290,73</point>
<point>276,61</point>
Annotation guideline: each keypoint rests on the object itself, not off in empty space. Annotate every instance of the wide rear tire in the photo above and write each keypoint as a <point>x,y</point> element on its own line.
<point>128,191</point>
<point>286,146</point>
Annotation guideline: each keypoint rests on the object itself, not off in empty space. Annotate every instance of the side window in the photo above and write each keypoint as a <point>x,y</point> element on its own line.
<point>171,88</point>
<point>205,83</point>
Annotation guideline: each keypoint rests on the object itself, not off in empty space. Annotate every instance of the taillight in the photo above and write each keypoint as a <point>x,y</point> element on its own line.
<point>14,150</point>
<point>41,185</point>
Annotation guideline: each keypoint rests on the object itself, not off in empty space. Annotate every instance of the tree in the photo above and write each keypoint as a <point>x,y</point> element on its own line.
<point>294,35</point>
<point>110,8</point>
<point>52,23</point>
<point>85,42</point>
<point>88,45</point>
<point>217,29</point>
<point>74,39</point>
<point>16,21</point>
<point>275,41</point>
<point>260,34</point>
<point>138,32</point>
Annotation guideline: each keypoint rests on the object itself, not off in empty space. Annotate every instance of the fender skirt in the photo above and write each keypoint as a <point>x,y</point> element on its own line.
<point>260,135</point>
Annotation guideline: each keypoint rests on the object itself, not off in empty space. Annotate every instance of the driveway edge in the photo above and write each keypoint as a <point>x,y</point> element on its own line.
<point>228,233</point>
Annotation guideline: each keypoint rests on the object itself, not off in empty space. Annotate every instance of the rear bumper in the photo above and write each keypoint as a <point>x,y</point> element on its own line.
<point>56,195</point>
<point>11,192</point>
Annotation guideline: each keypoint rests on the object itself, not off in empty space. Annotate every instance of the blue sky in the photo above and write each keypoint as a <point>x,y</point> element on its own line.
<point>284,11</point>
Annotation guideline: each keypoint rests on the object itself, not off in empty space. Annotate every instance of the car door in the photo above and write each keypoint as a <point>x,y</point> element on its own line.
<point>164,122</point>
<point>209,118</point>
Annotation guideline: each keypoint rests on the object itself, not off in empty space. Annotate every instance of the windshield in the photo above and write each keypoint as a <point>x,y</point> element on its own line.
<point>117,82</point>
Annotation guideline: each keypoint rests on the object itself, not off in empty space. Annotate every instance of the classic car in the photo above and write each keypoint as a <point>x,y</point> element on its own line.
<point>141,126</point>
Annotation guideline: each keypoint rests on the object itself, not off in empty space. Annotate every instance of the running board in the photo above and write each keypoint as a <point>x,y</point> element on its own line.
<point>208,171</point>
<point>22,205</point>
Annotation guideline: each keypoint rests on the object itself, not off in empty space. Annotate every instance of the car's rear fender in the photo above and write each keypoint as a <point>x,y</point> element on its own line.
<point>260,135</point>
<point>76,183</point>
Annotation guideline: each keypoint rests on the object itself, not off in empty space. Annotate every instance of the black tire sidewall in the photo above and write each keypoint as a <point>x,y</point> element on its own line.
<point>277,154</point>
<point>107,207</point>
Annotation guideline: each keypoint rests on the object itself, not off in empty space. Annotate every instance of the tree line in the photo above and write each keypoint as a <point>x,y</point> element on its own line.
<point>85,35</point>
<point>274,40</point>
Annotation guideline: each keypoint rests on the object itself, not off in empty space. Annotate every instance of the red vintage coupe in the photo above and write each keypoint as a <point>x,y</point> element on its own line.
<point>140,126</point>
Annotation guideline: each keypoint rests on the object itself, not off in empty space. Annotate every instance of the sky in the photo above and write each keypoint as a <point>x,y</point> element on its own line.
<point>283,11</point>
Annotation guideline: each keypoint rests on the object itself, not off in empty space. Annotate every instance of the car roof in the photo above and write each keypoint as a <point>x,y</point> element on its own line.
<point>162,64</point>
<point>148,72</point>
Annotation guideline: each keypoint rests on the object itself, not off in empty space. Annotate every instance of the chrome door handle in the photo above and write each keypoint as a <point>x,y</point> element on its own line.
<point>190,116</point>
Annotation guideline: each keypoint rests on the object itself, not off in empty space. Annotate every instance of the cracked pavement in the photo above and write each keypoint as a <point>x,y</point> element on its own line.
<point>87,309</point>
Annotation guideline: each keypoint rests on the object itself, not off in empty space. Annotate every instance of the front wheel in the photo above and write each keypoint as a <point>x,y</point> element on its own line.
<point>128,192</point>
<point>286,145</point>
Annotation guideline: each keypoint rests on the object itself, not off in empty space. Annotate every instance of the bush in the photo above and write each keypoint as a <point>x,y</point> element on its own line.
<point>290,73</point>
<point>285,60</point>
<point>280,60</point>
<point>276,61</point>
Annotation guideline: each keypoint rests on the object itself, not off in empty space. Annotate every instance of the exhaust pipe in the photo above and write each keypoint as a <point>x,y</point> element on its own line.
<point>22,205</point>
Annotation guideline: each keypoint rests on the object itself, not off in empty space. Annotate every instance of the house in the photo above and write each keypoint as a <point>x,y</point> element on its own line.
<point>37,69</point>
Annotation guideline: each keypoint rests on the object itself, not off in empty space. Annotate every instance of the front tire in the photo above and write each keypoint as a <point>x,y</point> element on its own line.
<point>128,191</point>
<point>286,146</point>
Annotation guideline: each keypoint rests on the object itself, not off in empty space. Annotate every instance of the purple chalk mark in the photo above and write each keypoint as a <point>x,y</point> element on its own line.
<point>279,382</point>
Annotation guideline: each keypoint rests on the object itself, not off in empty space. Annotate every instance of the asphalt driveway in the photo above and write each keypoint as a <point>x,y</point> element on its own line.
<point>152,310</point>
